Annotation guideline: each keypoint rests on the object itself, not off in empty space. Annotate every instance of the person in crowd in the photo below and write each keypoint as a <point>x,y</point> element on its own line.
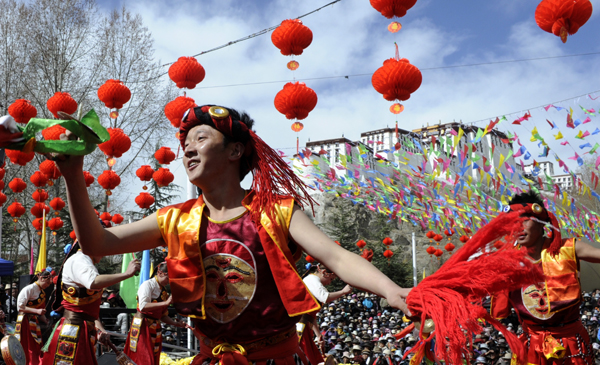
<point>231,251</point>
<point>144,342</point>
<point>31,304</point>
<point>79,291</point>
<point>549,311</point>
<point>316,278</point>
<point>11,302</point>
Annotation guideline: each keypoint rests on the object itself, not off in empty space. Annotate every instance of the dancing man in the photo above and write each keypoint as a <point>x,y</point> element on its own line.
<point>316,278</point>
<point>231,251</point>
<point>31,303</point>
<point>79,291</point>
<point>144,342</point>
<point>549,311</point>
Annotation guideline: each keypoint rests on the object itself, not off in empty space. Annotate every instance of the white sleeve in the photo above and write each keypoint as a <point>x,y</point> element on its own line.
<point>145,293</point>
<point>316,288</point>
<point>84,271</point>
<point>23,297</point>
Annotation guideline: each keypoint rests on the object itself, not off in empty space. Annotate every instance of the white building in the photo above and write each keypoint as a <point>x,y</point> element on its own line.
<point>545,167</point>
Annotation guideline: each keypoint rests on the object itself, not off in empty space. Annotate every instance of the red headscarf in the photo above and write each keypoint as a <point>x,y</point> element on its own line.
<point>272,177</point>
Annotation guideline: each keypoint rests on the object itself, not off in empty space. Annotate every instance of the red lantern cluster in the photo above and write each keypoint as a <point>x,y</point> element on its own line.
<point>175,109</point>
<point>296,100</point>
<point>361,244</point>
<point>144,200</point>
<point>22,111</point>
<point>114,94</point>
<point>61,102</point>
<point>117,218</point>
<point>18,157</point>
<point>292,37</point>
<point>89,178</point>
<point>50,169</point>
<point>164,155</point>
<point>387,241</point>
<point>393,8</point>
<point>397,79</point>
<point>163,177</point>
<point>186,72</point>
<point>109,180</point>
<point>563,17</point>
<point>117,145</point>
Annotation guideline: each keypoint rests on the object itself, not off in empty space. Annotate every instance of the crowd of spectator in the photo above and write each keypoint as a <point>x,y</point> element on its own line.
<point>360,329</point>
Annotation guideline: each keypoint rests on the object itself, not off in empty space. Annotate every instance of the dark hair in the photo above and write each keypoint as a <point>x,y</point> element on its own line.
<point>313,267</point>
<point>239,135</point>
<point>528,197</point>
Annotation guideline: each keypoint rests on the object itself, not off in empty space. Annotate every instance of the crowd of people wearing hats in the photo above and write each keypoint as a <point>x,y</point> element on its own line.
<point>360,329</point>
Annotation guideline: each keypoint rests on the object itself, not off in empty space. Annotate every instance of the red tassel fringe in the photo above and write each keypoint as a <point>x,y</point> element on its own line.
<point>453,295</point>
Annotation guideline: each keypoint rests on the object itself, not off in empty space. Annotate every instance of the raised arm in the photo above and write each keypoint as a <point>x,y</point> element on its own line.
<point>587,252</point>
<point>94,239</point>
<point>350,267</point>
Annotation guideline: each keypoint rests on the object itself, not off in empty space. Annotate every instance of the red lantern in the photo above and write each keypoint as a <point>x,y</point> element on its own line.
<point>38,210</point>
<point>55,223</point>
<point>89,178</point>
<point>73,235</point>
<point>2,185</point>
<point>361,244</point>
<point>22,110</point>
<point>2,173</point>
<point>117,218</point>
<point>38,179</point>
<point>2,198</point>
<point>388,254</point>
<point>145,172</point>
<point>114,94</point>
<point>163,177</point>
<point>53,133</point>
<point>16,210</point>
<point>438,237</point>
<point>105,216</point>
<point>310,259</point>
<point>431,250</point>
<point>144,200</point>
<point>449,247</point>
<point>297,126</point>
<point>174,110</point>
<point>57,204</point>
<point>438,252</point>
<point>186,72</point>
<point>563,17</point>
<point>292,37</point>
<point>117,145</point>
<point>448,232</point>
<point>397,79</point>
<point>109,180</point>
<point>164,155</point>
<point>430,234</point>
<point>467,229</point>
<point>61,102</point>
<point>18,157</point>
<point>392,8</point>
<point>17,184</point>
<point>367,255</point>
<point>38,224</point>
<point>296,100</point>
<point>50,169</point>
<point>387,241</point>
<point>464,239</point>
<point>40,195</point>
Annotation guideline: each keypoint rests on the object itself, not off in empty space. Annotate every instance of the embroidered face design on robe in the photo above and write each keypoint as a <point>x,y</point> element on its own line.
<point>535,300</point>
<point>230,279</point>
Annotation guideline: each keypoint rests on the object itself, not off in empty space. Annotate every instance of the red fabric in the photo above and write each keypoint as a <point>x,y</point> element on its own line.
<point>283,354</point>
<point>32,349</point>
<point>85,352</point>
<point>309,347</point>
<point>574,339</point>
<point>145,349</point>
<point>452,296</point>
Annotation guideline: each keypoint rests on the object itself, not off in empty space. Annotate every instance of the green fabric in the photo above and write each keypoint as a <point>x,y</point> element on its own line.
<point>89,130</point>
<point>129,287</point>
<point>45,348</point>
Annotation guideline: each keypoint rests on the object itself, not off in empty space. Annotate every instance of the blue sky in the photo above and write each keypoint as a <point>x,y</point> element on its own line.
<point>350,38</point>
